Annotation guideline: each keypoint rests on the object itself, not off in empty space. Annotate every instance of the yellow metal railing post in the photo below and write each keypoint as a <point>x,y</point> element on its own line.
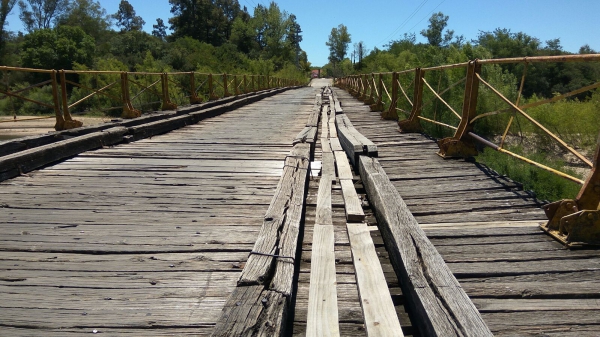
<point>391,111</point>
<point>378,105</point>
<point>413,123</point>
<point>128,110</point>
<point>69,122</point>
<point>235,85</point>
<point>166,100</point>
<point>194,99</point>
<point>225,86</point>
<point>60,121</point>
<point>245,84</point>
<point>460,145</point>
<point>211,88</point>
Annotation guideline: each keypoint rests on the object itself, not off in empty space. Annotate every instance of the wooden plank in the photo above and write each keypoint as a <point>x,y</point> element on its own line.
<point>307,135</point>
<point>441,306</point>
<point>323,213</point>
<point>325,147</point>
<point>260,302</point>
<point>332,130</point>
<point>335,144</point>
<point>352,204</point>
<point>328,166</point>
<point>343,166</point>
<point>313,118</point>
<point>482,224</point>
<point>375,298</point>
<point>322,318</point>
<point>25,161</point>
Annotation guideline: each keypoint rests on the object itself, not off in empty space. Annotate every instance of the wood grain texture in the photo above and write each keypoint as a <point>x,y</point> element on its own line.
<point>343,166</point>
<point>352,204</point>
<point>442,306</point>
<point>375,298</point>
<point>322,317</point>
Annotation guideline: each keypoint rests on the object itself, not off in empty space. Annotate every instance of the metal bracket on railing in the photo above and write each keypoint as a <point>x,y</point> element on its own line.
<point>576,223</point>
<point>378,104</point>
<point>128,110</point>
<point>166,99</point>
<point>194,99</point>
<point>460,146</point>
<point>413,123</point>
<point>67,122</point>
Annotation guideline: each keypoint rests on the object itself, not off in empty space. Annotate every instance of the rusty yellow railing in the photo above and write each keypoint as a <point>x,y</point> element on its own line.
<point>389,93</point>
<point>130,91</point>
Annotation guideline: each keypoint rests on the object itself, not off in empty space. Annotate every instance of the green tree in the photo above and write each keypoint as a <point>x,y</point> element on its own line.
<point>89,16</point>
<point>437,24</point>
<point>57,48</point>
<point>208,21</point>
<point>338,44</point>
<point>40,14</point>
<point>5,7</point>
<point>126,18</point>
<point>130,47</point>
<point>159,29</point>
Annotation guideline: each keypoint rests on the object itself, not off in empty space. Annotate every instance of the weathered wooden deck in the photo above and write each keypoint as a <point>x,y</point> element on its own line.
<point>486,229</point>
<point>150,238</point>
<point>146,238</point>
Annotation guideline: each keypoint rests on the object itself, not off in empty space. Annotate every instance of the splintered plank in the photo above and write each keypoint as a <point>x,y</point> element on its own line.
<point>307,135</point>
<point>258,306</point>
<point>352,204</point>
<point>440,305</point>
<point>313,118</point>
<point>322,317</point>
<point>375,298</point>
<point>343,166</point>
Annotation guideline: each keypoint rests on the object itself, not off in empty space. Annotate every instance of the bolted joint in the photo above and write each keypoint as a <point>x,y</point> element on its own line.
<point>410,126</point>
<point>455,148</point>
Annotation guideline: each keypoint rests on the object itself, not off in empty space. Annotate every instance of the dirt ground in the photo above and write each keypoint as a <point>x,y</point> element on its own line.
<point>10,128</point>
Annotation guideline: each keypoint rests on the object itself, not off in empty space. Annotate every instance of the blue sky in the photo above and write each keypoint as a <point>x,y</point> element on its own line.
<point>376,22</point>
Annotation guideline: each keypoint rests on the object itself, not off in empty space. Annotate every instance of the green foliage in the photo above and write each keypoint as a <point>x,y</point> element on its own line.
<point>126,18</point>
<point>545,185</point>
<point>338,41</point>
<point>41,14</point>
<point>131,47</point>
<point>57,48</point>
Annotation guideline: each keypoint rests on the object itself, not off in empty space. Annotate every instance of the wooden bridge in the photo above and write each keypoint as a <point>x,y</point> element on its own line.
<point>286,212</point>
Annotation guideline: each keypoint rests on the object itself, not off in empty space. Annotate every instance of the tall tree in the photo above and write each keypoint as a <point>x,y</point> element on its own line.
<point>437,24</point>
<point>126,18</point>
<point>40,14</point>
<point>5,7</point>
<point>159,29</point>
<point>293,36</point>
<point>360,51</point>
<point>209,21</point>
<point>89,16</point>
<point>339,38</point>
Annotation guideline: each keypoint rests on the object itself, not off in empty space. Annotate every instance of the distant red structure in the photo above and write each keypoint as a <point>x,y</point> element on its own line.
<point>316,73</point>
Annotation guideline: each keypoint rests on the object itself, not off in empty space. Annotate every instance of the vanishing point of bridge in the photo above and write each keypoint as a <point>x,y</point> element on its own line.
<point>298,213</point>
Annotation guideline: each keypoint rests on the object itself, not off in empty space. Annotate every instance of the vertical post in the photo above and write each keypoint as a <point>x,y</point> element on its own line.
<point>60,121</point>
<point>252,82</point>
<point>69,122</point>
<point>211,89</point>
<point>363,97</point>
<point>236,89</point>
<point>378,106</point>
<point>128,110</point>
<point>371,98</point>
<point>245,84</point>
<point>391,112</point>
<point>413,123</point>
<point>166,100</point>
<point>460,145</point>
<point>225,86</point>
<point>194,99</point>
